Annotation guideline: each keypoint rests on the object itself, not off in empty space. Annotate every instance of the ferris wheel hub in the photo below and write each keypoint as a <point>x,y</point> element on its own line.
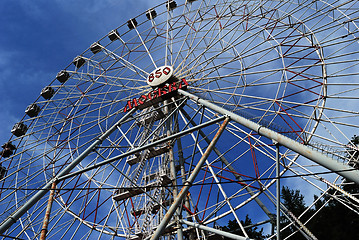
<point>160,76</point>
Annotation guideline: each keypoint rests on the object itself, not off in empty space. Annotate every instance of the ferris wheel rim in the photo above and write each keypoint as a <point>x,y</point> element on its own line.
<point>143,89</point>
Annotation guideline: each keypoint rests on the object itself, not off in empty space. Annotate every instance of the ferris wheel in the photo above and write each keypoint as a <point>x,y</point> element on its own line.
<point>185,117</point>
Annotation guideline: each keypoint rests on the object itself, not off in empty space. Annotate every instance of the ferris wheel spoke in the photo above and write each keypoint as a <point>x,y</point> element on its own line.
<point>168,31</point>
<point>189,34</point>
<point>191,47</point>
<point>274,65</point>
<point>127,64</point>
<point>221,156</point>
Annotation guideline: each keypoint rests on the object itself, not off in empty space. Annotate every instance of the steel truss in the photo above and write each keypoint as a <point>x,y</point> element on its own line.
<point>271,101</point>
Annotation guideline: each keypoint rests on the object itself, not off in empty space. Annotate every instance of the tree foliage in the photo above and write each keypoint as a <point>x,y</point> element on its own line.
<point>352,152</point>
<point>334,220</point>
<point>253,232</point>
<point>293,200</point>
<point>328,219</point>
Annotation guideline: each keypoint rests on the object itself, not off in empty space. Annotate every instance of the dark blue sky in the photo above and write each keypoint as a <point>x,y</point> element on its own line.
<point>39,38</point>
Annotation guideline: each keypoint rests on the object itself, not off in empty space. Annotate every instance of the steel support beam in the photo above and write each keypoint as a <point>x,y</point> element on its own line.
<point>64,174</point>
<point>278,190</point>
<point>188,183</point>
<point>342,169</point>
<point>173,170</point>
<point>230,167</point>
<point>41,192</point>
<point>213,230</point>
<point>48,212</point>
<point>139,149</point>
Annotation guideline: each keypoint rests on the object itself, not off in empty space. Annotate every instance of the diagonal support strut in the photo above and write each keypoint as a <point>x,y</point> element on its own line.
<point>188,183</point>
<point>342,169</point>
<point>8,222</point>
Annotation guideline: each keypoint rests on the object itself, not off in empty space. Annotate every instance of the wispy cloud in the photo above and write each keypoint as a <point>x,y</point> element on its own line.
<point>40,38</point>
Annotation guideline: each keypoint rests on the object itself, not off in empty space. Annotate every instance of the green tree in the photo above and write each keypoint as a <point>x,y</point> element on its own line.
<point>343,222</point>
<point>352,152</point>
<point>353,156</point>
<point>333,221</point>
<point>294,202</point>
<point>253,232</point>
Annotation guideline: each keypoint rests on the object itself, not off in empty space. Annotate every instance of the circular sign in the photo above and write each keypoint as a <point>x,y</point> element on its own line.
<point>159,76</point>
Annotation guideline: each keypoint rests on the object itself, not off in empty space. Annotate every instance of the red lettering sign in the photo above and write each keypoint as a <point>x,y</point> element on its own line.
<point>155,96</point>
<point>130,106</point>
<point>166,70</point>
<point>158,73</point>
<point>151,77</point>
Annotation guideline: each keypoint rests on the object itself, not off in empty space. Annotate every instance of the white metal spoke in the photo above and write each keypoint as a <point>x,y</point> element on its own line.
<point>289,66</point>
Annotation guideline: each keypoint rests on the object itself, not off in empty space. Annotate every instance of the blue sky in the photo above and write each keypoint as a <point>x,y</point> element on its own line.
<point>39,38</point>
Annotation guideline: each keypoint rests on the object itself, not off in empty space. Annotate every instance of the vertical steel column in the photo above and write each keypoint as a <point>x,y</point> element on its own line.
<point>48,212</point>
<point>173,170</point>
<point>21,210</point>
<point>230,167</point>
<point>188,183</point>
<point>278,189</point>
<point>183,174</point>
<point>175,194</point>
<point>340,168</point>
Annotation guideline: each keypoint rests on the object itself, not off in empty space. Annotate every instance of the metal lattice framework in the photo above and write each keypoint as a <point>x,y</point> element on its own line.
<point>268,89</point>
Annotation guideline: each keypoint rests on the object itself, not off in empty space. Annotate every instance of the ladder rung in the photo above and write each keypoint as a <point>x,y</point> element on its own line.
<point>152,153</point>
<point>131,192</point>
<point>154,208</point>
<point>153,117</point>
